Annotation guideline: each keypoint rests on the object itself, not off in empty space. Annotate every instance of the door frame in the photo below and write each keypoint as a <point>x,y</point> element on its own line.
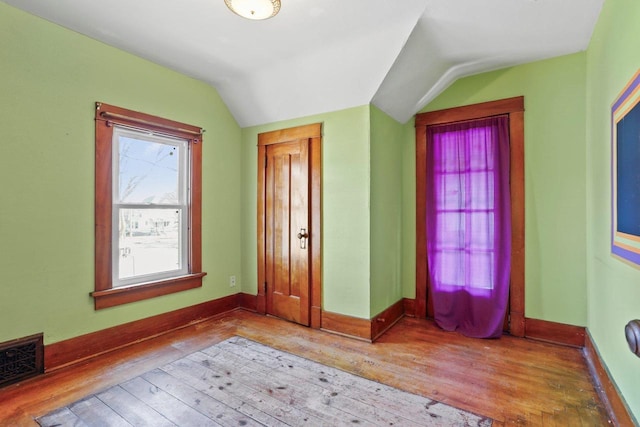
<point>514,107</point>
<point>313,133</point>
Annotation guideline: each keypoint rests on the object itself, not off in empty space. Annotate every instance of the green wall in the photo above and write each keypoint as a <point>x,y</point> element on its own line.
<point>361,209</point>
<point>408,154</point>
<point>555,188</point>
<point>345,208</point>
<point>50,79</point>
<point>613,286</point>
<point>386,210</point>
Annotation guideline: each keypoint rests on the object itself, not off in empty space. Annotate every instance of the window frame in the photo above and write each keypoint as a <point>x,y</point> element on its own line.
<point>514,107</point>
<point>181,203</point>
<point>107,117</point>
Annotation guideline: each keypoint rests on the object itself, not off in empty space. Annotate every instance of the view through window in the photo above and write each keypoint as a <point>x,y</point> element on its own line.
<point>149,206</point>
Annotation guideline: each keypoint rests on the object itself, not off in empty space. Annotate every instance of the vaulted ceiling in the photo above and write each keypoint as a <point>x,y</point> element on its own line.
<point>317,56</point>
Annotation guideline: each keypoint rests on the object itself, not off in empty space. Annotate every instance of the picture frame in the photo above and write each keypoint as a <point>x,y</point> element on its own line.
<point>625,173</point>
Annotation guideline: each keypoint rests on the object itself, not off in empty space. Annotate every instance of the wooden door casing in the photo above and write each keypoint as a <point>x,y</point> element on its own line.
<point>281,154</point>
<point>514,107</point>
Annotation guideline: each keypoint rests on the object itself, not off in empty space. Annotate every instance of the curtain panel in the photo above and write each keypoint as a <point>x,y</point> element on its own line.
<point>468,225</point>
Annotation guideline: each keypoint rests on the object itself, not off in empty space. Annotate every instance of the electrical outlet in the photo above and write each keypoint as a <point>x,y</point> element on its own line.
<point>232,281</point>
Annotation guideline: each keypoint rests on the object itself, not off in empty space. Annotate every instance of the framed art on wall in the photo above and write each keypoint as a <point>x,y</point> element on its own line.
<point>625,172</point>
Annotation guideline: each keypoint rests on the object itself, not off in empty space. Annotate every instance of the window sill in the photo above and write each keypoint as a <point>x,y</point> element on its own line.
<point>126,294</point>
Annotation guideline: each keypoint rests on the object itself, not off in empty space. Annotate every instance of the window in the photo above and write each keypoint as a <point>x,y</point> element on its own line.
<point>465,177</point>
<point>514,108</point>
<point>147,206</point>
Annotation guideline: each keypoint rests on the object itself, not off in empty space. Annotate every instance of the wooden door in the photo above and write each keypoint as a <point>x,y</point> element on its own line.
<point>289,224</point>
<point>287,230</point>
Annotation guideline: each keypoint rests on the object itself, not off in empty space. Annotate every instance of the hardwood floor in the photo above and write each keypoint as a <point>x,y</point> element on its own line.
<point>512,380</point>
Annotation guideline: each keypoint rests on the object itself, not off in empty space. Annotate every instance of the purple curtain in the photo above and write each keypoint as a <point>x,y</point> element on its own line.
<point>469,225</point>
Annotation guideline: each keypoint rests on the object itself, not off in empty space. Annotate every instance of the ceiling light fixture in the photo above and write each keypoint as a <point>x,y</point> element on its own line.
<point>254,9</point>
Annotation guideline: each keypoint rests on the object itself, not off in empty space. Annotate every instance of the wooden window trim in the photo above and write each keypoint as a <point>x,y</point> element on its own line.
<point>514,107</point>
<point>105,295</point>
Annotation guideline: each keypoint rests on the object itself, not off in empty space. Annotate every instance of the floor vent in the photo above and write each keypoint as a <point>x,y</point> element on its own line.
<point>20,359</point>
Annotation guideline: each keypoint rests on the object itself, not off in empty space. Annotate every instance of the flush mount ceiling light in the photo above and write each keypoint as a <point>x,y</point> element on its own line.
<point>254,9</point>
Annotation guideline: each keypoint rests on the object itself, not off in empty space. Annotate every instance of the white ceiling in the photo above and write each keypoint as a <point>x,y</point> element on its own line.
<point>317,56</point>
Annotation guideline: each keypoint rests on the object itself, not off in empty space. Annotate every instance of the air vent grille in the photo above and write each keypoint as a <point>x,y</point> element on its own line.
<point>20,359</point>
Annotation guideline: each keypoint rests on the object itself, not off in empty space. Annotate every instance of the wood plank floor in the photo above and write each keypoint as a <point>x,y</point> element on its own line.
<point>514,381</point>
<point>240,382</point>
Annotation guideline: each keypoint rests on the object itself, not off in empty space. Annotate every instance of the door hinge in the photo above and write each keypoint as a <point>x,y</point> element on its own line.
<point>265,161</point>
<point>264,288</point>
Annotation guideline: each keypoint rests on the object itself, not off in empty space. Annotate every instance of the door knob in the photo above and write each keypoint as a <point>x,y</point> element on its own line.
<point>303,236</point>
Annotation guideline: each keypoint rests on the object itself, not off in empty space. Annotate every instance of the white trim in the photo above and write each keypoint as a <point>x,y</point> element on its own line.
<point>183,206</point>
